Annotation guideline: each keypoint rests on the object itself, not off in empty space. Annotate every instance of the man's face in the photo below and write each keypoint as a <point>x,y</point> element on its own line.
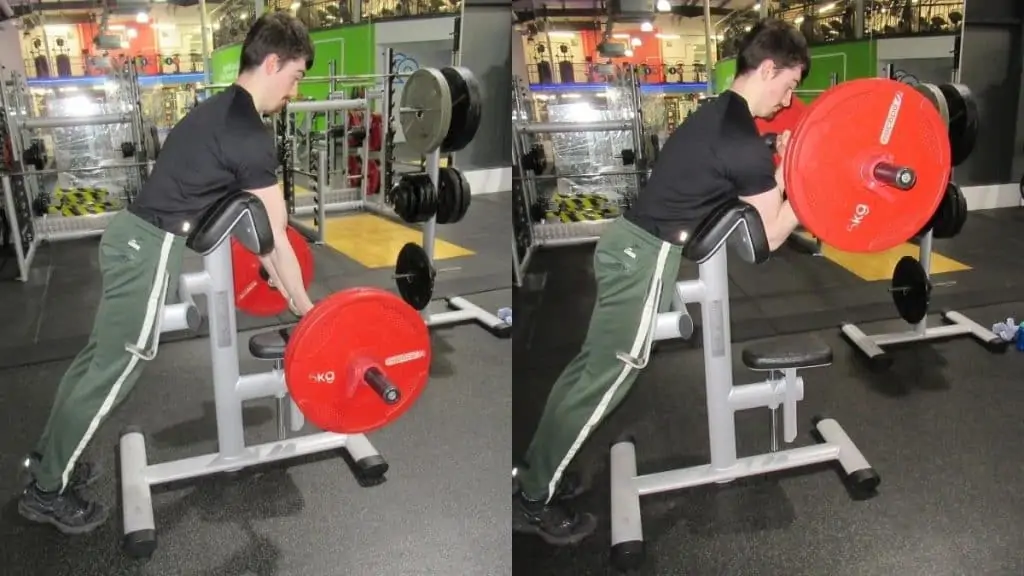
<point>283,84</point>
<point>778,86</point>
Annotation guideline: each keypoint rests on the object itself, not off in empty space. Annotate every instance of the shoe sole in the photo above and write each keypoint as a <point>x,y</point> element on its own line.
<point>571,540</point>
<point>33,516</point>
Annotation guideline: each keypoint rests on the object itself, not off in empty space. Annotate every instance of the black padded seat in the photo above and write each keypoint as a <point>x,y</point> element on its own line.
<point>270,345</point>
<point>787,352</point>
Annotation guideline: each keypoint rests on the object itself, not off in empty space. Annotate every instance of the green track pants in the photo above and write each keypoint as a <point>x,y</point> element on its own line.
<point>137,261</point>
<point>635,274</point>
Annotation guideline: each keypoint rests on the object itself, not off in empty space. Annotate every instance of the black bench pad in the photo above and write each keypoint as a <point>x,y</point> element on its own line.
<point>787,352</point>
<point>270,345</point>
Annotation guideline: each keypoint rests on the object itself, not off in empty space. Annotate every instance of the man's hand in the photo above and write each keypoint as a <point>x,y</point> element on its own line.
<point>781,143</point>
<point>292,306</point>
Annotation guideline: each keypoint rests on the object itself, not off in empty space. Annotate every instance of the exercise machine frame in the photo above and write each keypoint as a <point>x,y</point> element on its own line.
<point>231,390</point>
<point>783,387</point>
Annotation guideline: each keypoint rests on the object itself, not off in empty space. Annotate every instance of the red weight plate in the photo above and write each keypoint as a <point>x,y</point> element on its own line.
<point>355,170</point>
<point>332,348</point>
<point>785,119</point>
<point>376,131</point>
<point>253,294</point>
<point>373,177</point>
<point>831,158</point>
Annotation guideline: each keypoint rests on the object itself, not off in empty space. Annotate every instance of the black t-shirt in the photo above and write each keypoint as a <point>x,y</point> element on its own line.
<point>221,146</point>
<point>716,154</point>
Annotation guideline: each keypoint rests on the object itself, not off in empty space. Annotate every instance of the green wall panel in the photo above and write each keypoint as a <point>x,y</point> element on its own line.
<point>352,47</point>
<point>848,60</point>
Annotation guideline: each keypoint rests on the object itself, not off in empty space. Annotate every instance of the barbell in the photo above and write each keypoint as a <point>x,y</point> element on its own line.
<point>869,161</point>
<point>355,362</point>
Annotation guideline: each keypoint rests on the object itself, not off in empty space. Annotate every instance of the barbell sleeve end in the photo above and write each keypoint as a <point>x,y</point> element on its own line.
<point>382,386</point>
<point>899,177</point>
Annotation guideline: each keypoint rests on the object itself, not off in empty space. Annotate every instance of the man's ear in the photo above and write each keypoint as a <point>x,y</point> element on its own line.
<point>766,69</point>
<point>271,64</point>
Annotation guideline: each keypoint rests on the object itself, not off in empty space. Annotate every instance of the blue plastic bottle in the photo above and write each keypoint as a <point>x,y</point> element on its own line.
<point>1020,338</point>
<point>505,315</point>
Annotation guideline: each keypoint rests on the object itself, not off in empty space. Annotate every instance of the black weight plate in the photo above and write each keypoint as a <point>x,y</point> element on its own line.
<point>400,198</point>
<point>911,290</point>
<point>944,221</point>
<point>962,210</point>
<point>430,199</point>
<point>425,187</point>
<point>412,196</point>
<point>414,276</point>
<point>466,107</point>
<point>963,121</point>
<point>465,196</point>
<point>461,201</point>
<point>456,195</point>
<point>447,195</point>
<point>420,196</point>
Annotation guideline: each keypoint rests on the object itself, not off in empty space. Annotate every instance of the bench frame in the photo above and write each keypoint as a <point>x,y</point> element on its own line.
<point>782,387</point>
<point>230,390</point>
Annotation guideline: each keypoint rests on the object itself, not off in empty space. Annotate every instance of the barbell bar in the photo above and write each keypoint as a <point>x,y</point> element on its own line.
<point>74,121</point>
<point>933,285</point>
<point>584,175</point>
<point>355,79</point>
<point>566,127</point>
<point>436,271</point>
<point>52,171</point>
<point>326,105</point>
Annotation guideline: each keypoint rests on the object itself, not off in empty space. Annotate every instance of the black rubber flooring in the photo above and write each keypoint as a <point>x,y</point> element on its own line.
<point>943,428</point>
<point>49,317</point>
<point>443,510</point>
<point>795,292</point>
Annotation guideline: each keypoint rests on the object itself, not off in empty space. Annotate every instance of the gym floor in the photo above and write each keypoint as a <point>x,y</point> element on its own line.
<point>449,455</point>
<point>942,427</point>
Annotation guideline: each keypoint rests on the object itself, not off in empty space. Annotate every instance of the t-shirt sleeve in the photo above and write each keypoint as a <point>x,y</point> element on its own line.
<point>750,165</point>
<point>253,157</point>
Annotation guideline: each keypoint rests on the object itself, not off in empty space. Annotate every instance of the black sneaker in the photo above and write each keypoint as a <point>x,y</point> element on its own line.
<point>554,523</point>
<point>69,512</point>
<point>82,475</point>
<point>571,486</point>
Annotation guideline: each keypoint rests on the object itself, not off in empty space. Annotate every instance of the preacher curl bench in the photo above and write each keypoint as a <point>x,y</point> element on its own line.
<point>243,216</point>
<point>739,225</point>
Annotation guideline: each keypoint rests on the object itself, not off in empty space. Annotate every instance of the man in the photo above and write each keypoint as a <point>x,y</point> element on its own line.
<point>716,155</point>
<point>219,148</point>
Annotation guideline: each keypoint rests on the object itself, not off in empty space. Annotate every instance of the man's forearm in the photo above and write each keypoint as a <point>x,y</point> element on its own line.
<point>784,225</point>
<point>289,276</point>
